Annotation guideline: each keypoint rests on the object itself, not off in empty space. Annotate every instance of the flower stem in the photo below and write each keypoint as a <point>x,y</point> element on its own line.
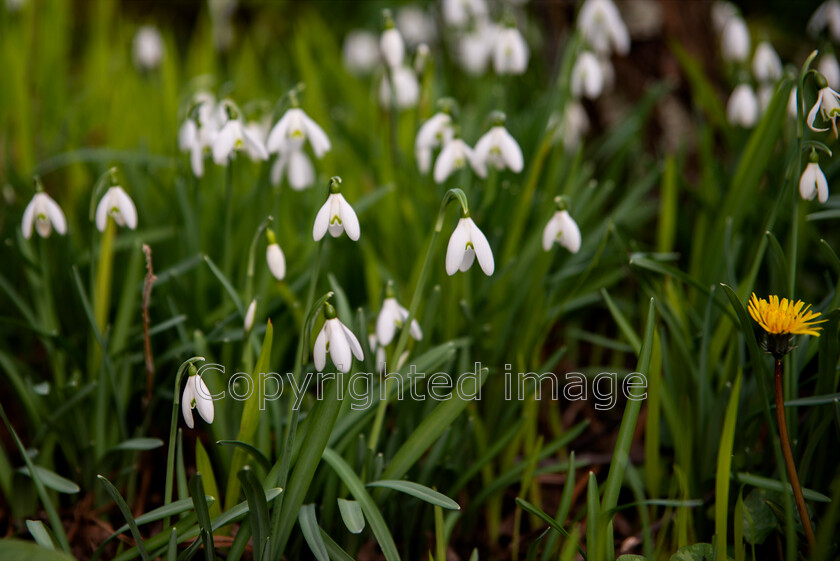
<point>228,254</point>
<point>791,467</point>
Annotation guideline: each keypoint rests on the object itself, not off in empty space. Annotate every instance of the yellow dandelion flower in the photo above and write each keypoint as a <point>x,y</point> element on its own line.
<point>784,317</point>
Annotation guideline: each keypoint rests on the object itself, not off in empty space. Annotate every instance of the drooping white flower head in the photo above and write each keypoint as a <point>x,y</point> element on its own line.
<point>587,76</point>
<point>561,229</point>
<point>375,347</point>
<point>392,46</point>
<point>459,13</point>
<point>827,16</point>
<point>499,149</point>
<point>295,165</point>
<point>742,107</point>
<point>722,12</point>
<point>336,216</point>
<point>433,133</point>
<point>813,182</point>
<point>455,155</point>
<point>337,340</point>
<point>602,28</point>
<point>45,214</point>
<point>275,258</point>
<point>391,317</point>
<point>293,129</point>
<point>199,130</point>
<point>197,395</point>
<point>510,52</point>
<point>147,47</point>
<point>766,64</point>
<point>467,244</point>
<point>360,52</point>
<point>234,136</point>
<point>735,40</point>
<point>118,205</point>
<point>573,125</point>
<point>406,88</point>
<point>250,315</point>
<point>416,26</point>
<point>827,105</point>
<point>830,68</point>
<point>475,47</point>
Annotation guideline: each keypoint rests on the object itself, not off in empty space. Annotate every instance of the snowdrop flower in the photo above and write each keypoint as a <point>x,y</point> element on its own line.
<point>416,26</point>
<point>296,166</point>
<point>573,125</point>
<point>118,205</point>
<point>467,244</point>
<point>827,16</point>
<point>392,316</point>
<point>722,12</point>
<point>791,106</point>
<point>293,130</point>
<point>603,29</point>
<point>510,52</point>
<point>147,48</point>
<point>360,52</point>
<point>813,182</point>
<point>827,104</point>
<point>497,148</point>
<point>735,41</point>
<point>45,214</point>
<point>249,316</point>
<point>406,88</point>
<point>587,76</point>
<point>337,340</point>
<point>421,57</point>
<point>336,216</point>
<point>476,47</point>
<point>742,108</point>
<point>561,229</point>
<point>196,395</point>
<point>455,155</point>
<point>434,132</point>
<point>199,130</point>
<point>830,68</point>
<point>13,6</point>
<point>234,136</point>
<point>391,43</point>
<point>274,257</point>
<point>766,64</point>
<point>459,13</point>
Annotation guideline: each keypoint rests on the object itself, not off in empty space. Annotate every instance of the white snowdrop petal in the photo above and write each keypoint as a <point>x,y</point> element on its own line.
<point>250,314</point>
<point>319,351</point>
<point>807,183</point>
<point>278,168</point>
<point>317,137</point>
<point>28,218</point>
<point>444,165</point>
<point>482,249</point>
<point>276,261</point>
<point>552,228</point>
<point>301,173</point>
<point>125,207</point>
<point>812,114</point>
<point>322,220</point>
<point>457,247</point>
<point>186,403</point>
<point>386,324</point>
<point>102,211</point>
<point>55,215</point>
<point>469,257</point>
<point>569,232</point>
<point>203,400</point>
<point>353,342</point>
<point>511,152</point>
<point>277,137</point>
<point>339,346</point>
<point>349,219</point>
<point>822,184</point>
<point>255,145</point>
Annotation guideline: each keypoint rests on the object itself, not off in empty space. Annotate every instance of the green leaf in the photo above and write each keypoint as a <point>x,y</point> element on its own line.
<point>19,550</point>
<point>369,508</point>
<point>259,509</point>
<point>419,491</point>
<point>205,468</point>
<point>724,465</point>
<point>159,513</point>
<point>312,532</point>
<point>52,480</point>
<point>773,485</point>
<point>139,444</point>
<point>41,534</point>
<point>197,492</point>
<point>250,448</point>
<point>759,520</point>
<point>351,514</point>
<point>814,400</point>
<point>695,552</point>
<point>126,512</point>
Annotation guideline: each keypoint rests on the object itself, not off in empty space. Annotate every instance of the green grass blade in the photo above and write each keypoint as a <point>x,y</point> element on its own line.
<point>419,491</point>
<point>126,512</point>
<point>351,514</point>
<point>312,532</point>
<point>724,465</point>
<point>197,493</point>
<point>258,506</point>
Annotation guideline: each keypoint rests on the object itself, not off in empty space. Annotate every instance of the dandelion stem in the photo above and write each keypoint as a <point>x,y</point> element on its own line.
<point>791,467</point>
